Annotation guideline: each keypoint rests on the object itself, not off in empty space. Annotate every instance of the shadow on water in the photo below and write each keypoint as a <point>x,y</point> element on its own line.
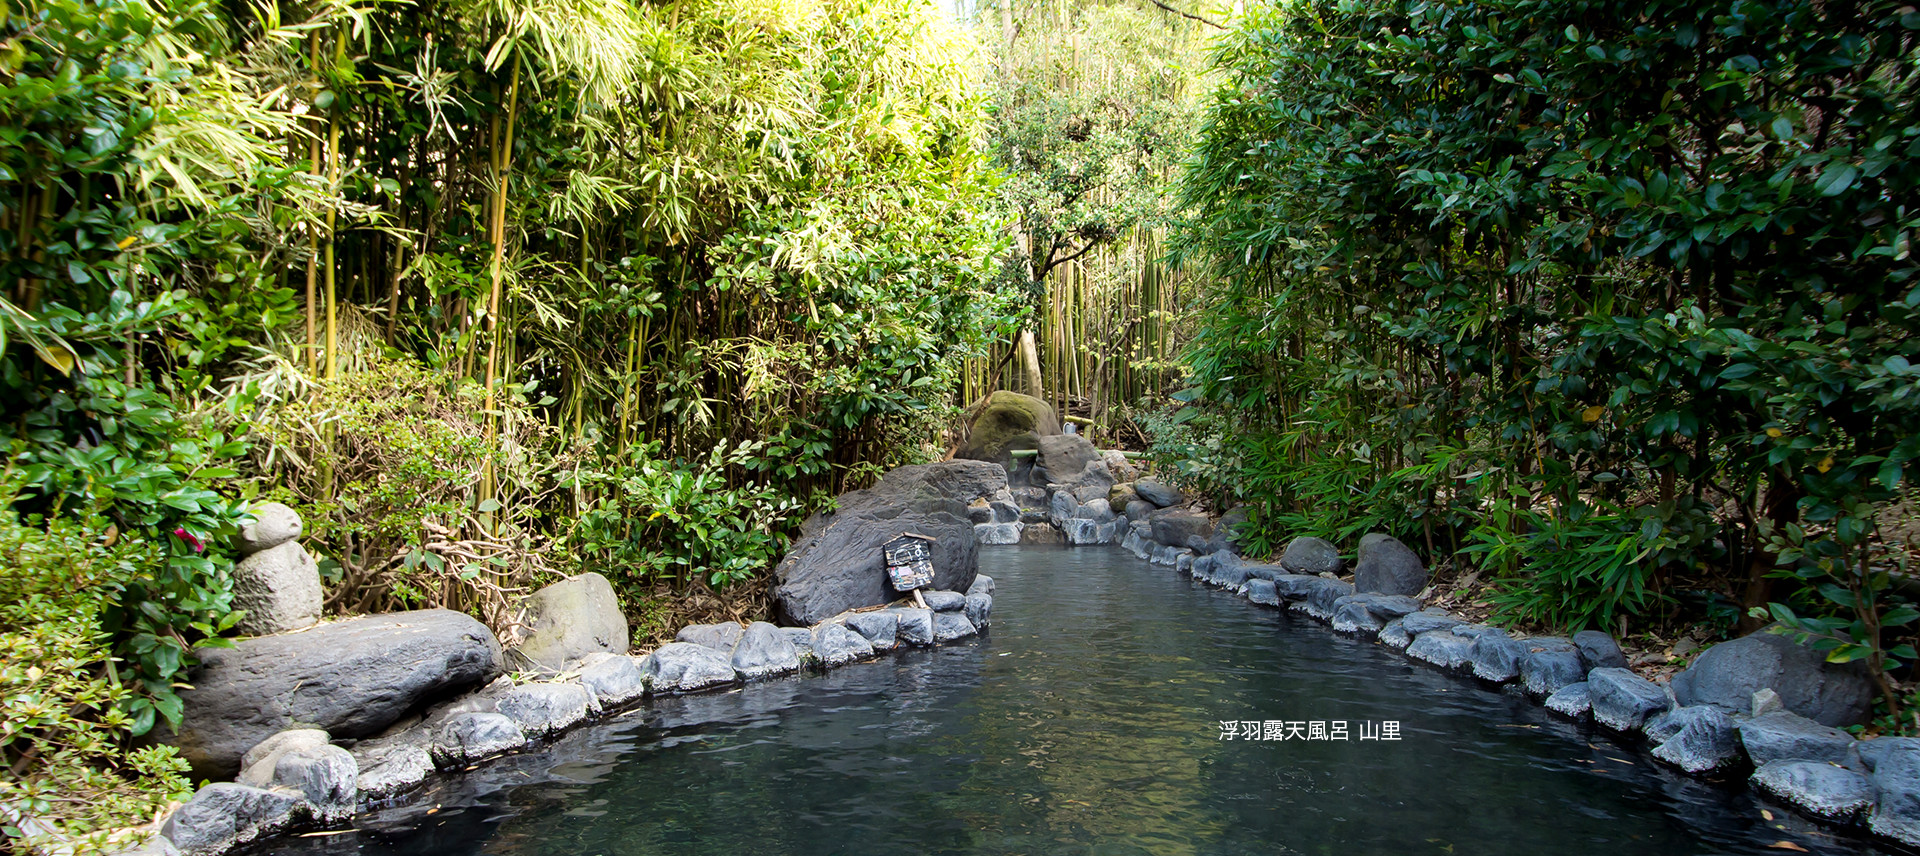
<point>1086,722</point>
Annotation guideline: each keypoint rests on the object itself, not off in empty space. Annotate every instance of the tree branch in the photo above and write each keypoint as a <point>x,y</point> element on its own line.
<point>1190,16</point>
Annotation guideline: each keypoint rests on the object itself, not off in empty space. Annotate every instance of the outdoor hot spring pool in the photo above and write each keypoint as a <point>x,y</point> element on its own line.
<point>1086,721</point>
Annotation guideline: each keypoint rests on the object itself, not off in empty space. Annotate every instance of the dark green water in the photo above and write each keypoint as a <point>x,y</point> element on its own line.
<point>1086,722</point>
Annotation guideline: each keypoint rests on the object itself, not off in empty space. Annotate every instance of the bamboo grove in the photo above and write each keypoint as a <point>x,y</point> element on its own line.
<point>1613,300</point>
<point>486,289</point>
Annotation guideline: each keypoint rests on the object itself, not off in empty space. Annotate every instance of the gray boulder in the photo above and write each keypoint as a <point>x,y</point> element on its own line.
<point>1623,700</point>
<point>1574,700</point>
<point>1007,421</point>
<point>613,679</point>
<point>1062,508</point>
<point>1312,556</point>
<point>1122,467</point>
<point>350,678</point>
<point>998,534</point>
<point>944,601</point>
<point>541,709</point>
<point>1174,527</point>
<point>879,628</point>
<point>979,608</point>
<point>1496,656</point>
<point>1139,509</point>
<point>1550,664</point>
<point>1896,788</point>
<point>837,646</point>
<point>982,584</point>
<point>468,737</point>
<point>1787,736</point>
<point>1827,792</point>
<point>686,667</point>
<point>1321,596</point>
<point>1064,456</point>
<point>1599,650</point>
<point>1082,530</point>
<point>1442,648</point>
<point>1385,565</point>
<point>1351,615</point>
<point>720,637</point>
<point>1097,510</point>
<point>801,639</point>
<point>279,587</point>
<point>256,766</point>
<point>1158,492</point>
<point>1703,739</point>
<point>1729,673</point>
<point>948,626</point>
<point>763,652</point>
<point>569,620</point>
<point>1426,620</point>
<point>1871,751</point>
<point>916,626</point>
<point>1262,592</point>
<point>273,524</point>
<point>225,814</point>
<point>327,777</point>
<point>393,763</point>
<point>837,563</point>
<point>1394,634</point>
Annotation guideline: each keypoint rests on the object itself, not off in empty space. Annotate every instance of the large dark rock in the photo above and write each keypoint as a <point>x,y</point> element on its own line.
<point>1309,555</point>
<point>1063,457</point>
<point>569,620</point>
<point>1008,421</point>
<point>1729,673</point>
<point>837,563</point>
<point>351,679</point>
<point>720,636</point>
<point>1385,565</point>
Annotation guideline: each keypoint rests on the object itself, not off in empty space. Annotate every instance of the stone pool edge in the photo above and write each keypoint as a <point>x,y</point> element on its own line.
<point>299,780</point>
<point>1823,773</point>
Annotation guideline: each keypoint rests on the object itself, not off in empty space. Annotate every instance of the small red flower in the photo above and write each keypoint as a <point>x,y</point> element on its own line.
<point>191,539</point>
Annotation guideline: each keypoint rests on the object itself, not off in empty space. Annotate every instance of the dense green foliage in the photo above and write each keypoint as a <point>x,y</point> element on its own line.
<point>487,290</point>
<point>1617,298</point>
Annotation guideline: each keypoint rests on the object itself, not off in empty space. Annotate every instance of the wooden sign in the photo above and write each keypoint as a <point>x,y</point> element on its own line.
<point>910,561</point>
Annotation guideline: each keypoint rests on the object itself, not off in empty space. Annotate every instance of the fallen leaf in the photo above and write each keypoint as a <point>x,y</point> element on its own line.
<point>1766,815</point>
<point>1787,845</point>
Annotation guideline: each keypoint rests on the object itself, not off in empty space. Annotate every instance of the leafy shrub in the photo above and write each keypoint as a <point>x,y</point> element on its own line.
<point>68,704</point>
<point>677,519</point>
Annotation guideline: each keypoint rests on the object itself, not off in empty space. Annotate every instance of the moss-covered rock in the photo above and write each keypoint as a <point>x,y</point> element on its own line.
<point>1008,421</point>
